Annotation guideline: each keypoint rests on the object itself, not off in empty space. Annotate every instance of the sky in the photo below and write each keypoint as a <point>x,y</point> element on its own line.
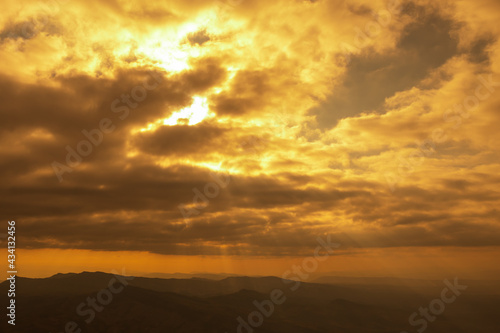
<point>227,136</point>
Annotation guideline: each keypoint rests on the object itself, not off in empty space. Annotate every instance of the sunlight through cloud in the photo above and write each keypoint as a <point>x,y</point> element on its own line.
<point>192,115</point>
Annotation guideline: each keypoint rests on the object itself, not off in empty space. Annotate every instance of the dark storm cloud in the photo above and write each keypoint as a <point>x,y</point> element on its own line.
<point>478,52</point>
<point>206,73</point>
<point>424,45</point>
<point>198,37</point>
<point>138,206</point>
<point>247,93</point>
<point>30,28</point>
<point>160,232</point>
<point>179,140</point>
<point>81,103</point>
<point>260,193</point>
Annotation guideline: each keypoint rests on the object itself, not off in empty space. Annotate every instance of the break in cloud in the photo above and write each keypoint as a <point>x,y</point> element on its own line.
<point>316,109</point>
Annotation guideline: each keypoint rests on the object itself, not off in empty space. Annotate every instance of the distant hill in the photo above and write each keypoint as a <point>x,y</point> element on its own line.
<point>209,276</point>
<point>205,305</point>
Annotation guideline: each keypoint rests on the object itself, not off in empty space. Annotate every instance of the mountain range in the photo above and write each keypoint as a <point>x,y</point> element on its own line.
<point>245,304</point>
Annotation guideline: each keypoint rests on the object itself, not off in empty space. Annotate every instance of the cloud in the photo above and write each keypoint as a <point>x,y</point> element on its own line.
<point>30,28</point>
<point>179,140</point>
<point>424,44</point>
<point>307,137</point>
<point>198,37</point>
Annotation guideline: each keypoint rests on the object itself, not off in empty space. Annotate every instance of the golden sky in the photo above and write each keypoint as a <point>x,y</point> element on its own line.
<point>375,122</point>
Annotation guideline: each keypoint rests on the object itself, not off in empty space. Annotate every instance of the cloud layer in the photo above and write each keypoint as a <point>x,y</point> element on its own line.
<point>374,122</point>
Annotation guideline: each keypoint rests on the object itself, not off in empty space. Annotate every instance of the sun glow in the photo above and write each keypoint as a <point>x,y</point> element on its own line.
<point>170,49</point>
<point>173,58</point>
<point>191,115</point>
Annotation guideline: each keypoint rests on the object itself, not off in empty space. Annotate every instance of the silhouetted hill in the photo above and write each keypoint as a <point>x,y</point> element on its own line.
<point>209,276</point>
<point>202,305</point>
<point>69,284</point>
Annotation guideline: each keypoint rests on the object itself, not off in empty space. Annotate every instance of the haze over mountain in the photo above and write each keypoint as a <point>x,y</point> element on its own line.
<point>203,305</point>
